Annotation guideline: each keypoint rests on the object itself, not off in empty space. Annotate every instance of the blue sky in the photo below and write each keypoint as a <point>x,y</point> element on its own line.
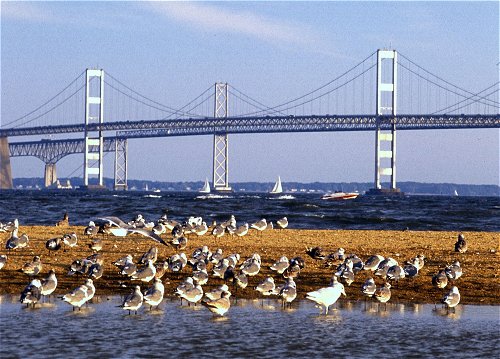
<point>272,51</point>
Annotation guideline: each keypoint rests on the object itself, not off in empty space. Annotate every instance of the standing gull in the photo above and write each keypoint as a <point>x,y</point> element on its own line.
<point>328,295</point>
<point>32,293</point>
<point>218,306</point>
<point>133,301</point>
<point>49,284</point>
<point>77,297</point>
<point>452,299</point>
<point>282,223</point>
<point>154,295</point>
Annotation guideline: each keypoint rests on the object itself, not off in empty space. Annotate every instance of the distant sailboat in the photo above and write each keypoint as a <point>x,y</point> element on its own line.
<point>277,186</point>
<point>206,187</point>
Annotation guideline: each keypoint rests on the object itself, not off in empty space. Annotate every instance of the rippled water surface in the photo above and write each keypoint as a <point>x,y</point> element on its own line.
<point>303,210</point>
<point>251,329</point>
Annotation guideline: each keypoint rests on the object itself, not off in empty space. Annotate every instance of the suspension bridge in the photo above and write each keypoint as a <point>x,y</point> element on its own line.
<point>384,92</point>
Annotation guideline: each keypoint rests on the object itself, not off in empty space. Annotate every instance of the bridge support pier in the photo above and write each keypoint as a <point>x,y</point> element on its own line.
<point>50,174</point>
<point>121,164</point>
<point>5,169</point>
<point>221,150</point>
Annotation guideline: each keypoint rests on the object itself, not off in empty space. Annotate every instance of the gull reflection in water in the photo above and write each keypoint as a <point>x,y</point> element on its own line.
<point>452,313</point>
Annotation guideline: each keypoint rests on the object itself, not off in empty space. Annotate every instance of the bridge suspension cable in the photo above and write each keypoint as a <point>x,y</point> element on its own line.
<point>46,103</point>
<point>284,106</point>
<point>454,88</point>
<point>144,99</point>
<point>252,102</point>
<point>457,106</point>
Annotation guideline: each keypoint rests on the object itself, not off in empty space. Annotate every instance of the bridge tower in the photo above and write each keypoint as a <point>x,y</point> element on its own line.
<point>94,105</point>
<point>385,134</point>
<point>120,164</point>
<point>220,166</point>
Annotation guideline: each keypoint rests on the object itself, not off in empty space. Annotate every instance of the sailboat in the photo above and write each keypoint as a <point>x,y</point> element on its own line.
<point>206,187</point>
<point>277,187</point>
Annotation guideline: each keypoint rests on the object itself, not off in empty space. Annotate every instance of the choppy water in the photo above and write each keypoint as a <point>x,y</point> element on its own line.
<point>252,328</point>
<point>303,210</point>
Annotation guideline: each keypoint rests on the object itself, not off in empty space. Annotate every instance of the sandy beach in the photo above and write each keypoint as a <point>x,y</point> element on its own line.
<point>479,284</point>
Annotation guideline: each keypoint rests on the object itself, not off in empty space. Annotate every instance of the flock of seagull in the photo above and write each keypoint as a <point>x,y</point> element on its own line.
<point>232,268</point>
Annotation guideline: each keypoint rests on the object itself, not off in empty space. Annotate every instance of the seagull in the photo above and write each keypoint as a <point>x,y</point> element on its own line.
<point>259,225</point>
<point>217,256</point>
<point>186,285</point>
<point>95,271</point>
<point>201,229</point>
<point>96,245</point>
<point>201,276</point>
<point>452,299</point>
<point>461,244</point>
<point>251,268</point>
<point>193,295</point>
<point>32,268</point>
<point>315,253</point>
<point>328,295</point>
<point>282,223</point>
<point>154,295</point>
<point>177,262</point>
<point>218,306</point>
<point>49,284</point>
<point>383,294</point>
<point>411,268</point>
<point>31,293</point>
<point>218,231</point>
<point>216,293</point>
<point>15,242</point>
<point>266,287</point>
<point>384,266</point>
<point>395,273</point>
<point>91,229</point>
<point>70,239</point>
<point>119,228</point>
<point>289,292</point>
<point>77,297</point>
<point>373,262</point>
<point>133,301</point>
<point>53,244</point>
<point>242,230</point>
<point>89,283</point>
<point>454,271</point>
<point>440,279</point>
<point>369,287</point>
<point>146,273</point>
<point>151,254</point>
<point>179,243</point>
<point>345,272</point>
<point>3,260</point>
<point>280,265</point>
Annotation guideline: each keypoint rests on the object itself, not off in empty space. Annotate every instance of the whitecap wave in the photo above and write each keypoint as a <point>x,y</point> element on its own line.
<point>152,196</point>
<point>211,196</point>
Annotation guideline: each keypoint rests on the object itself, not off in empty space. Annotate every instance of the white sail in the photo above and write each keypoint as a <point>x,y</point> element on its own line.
<point>277,186</point>
<point>206,187</point>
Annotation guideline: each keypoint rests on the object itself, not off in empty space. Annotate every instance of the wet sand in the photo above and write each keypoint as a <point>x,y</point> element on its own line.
<point>479,284</point>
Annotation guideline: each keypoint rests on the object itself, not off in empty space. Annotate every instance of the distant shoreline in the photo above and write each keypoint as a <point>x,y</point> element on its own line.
<point>478,285</point>
<point>409,187</point>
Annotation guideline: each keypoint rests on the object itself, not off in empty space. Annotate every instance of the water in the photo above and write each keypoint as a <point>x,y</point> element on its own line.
<point>303,210</point>
<point>251,329</point>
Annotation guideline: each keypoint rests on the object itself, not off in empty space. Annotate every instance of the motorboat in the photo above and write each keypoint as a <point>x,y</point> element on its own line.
<point>340,195</point>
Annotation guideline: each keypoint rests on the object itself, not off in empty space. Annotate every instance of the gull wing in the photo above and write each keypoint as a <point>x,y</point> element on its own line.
<point>148,233</point>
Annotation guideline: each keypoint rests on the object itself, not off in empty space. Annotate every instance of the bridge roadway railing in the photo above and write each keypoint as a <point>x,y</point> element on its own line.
<point>269,124</point>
